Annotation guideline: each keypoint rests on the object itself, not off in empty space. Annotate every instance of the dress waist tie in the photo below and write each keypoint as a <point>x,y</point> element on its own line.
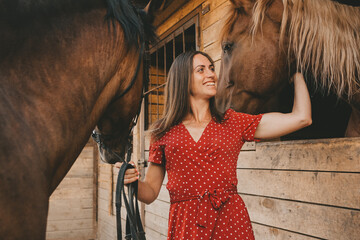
<point>217,198</point>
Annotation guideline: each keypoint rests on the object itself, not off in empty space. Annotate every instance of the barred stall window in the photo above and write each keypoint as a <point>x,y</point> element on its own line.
<point>183,38</point>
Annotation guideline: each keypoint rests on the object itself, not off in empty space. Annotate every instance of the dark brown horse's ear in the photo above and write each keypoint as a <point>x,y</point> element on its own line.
<point>247,5</point>
<point>153,7</point>
<point>141,4</point>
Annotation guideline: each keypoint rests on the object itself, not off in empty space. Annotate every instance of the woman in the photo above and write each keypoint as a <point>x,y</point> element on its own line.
<point>199,147</point>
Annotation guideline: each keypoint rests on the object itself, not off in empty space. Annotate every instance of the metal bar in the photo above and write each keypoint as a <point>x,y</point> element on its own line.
<point>183,37</point>
<point>173,40</point>
<point>154,88</point>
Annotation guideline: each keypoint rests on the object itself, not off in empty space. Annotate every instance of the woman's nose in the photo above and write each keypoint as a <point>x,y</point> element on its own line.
<point>210,73</point>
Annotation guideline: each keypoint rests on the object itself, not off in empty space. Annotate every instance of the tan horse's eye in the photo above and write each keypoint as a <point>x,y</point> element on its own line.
<point>227,46</point>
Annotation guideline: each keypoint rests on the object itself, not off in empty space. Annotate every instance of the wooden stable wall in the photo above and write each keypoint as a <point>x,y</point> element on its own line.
<point>72,208</point>
<point>303,189</point>
<point>293,190</point>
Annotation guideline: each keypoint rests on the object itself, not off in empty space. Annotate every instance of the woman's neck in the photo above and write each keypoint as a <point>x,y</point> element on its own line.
<point>200,111</point>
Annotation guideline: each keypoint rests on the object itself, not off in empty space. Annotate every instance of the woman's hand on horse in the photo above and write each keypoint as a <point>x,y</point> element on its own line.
<point>131,175</point>
<point>273,125</point>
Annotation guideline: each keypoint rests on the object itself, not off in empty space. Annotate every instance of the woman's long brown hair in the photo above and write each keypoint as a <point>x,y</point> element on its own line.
<point>177,95</point>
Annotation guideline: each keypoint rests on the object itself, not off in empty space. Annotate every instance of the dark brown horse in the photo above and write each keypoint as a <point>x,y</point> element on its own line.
<point>62,63</point>
<point>266,41</point>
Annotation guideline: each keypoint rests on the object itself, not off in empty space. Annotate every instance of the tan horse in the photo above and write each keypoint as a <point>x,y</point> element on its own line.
<point>61,65</point>
<point>266,41</point>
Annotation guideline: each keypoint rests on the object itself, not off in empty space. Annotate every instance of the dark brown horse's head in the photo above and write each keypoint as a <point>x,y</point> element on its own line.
<point>119,118</point>
<point>115,125</point>
<point>254,68</point>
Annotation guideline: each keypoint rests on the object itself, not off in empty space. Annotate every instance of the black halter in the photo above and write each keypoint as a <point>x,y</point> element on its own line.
<point>134,228</point>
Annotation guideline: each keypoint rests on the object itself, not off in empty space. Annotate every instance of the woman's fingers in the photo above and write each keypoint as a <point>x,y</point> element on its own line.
<point>130,180</point>
<point>131,175</point>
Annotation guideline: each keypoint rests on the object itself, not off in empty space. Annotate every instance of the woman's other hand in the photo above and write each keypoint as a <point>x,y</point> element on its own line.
<point>131,175</point>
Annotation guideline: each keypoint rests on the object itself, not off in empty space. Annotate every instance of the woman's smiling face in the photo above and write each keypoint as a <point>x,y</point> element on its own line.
<point>204,79</point>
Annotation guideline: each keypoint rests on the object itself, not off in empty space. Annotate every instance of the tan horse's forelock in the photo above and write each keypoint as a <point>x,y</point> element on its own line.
<point>324,37</point>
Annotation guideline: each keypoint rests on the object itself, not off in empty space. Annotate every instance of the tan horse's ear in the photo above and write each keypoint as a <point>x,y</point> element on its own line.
<point>275,11</point>
<point>247,5</point>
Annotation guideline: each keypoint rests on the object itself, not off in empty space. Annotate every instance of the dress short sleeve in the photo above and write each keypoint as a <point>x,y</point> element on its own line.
<point>246,123</point>
<point>156,153</point>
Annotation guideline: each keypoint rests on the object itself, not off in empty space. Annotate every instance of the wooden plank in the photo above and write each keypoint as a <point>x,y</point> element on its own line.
<point>337,189</point>
<point>159,208</point>
<point>170,8</point>
<point>310,219</point>
<point>69,214</point>
<point>212,33</point>
<point>219,9</point>
<point>104,206</point>
<point>217,65</point>
<point>71,203</point>
<point>178,15</point>
<point>153,109</point>
<point>107,218</point>
<point>342,155</point>
<point>71,235</point>
<point>153,98</point>
<point>66,225</point>
<point>270,233</point>
<point>81,167</point>
<point>156,80</point>
<point>156,223</point>
<point>153,235</point>
<point>76,182</point>
<point>164,194</point>
<point>214,50</point>
<point>72,193</point>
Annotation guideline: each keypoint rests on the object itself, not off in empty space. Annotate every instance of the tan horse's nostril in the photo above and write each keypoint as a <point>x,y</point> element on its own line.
<point>230,83</point>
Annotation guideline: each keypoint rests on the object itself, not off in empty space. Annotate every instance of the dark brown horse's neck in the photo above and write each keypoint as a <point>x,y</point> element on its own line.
<point>50,110</point>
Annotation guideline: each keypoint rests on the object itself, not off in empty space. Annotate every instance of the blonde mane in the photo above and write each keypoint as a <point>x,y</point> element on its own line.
<point>324,37</point>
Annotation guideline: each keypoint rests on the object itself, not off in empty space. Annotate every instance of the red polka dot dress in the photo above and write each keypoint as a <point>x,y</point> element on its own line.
<point>202,178</point>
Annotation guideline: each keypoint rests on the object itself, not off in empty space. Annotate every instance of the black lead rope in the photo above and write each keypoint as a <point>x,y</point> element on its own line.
<point>134,228</point>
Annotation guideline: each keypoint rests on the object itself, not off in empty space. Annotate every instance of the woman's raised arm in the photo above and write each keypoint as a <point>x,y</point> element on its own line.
<point>274,125</point>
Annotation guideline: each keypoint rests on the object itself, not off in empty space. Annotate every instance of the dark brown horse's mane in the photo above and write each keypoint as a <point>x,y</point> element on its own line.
<point>133,21</point>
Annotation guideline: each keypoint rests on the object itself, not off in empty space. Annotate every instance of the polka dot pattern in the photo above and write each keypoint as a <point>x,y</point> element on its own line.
<point>196,170</point>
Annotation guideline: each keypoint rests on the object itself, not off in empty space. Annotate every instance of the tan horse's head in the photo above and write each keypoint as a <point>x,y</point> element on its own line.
<point>265,41</point>
<point>252,70</point>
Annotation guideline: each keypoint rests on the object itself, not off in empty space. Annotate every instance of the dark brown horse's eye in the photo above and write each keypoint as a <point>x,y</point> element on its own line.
<point>227,46</point>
